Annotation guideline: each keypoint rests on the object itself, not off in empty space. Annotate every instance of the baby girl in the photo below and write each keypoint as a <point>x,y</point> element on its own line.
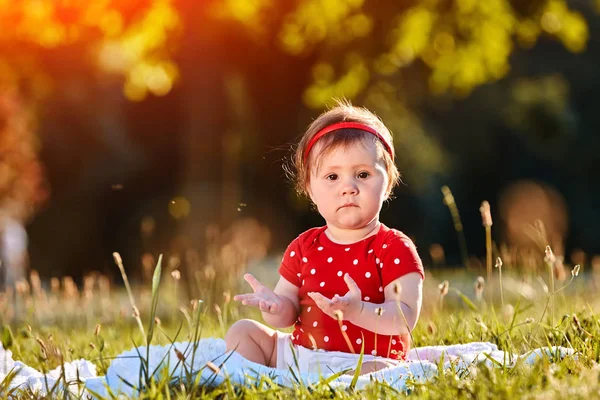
<point>351,286</point>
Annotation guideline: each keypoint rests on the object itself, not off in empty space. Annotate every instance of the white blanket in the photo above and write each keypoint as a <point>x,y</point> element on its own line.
<point>422,364</point>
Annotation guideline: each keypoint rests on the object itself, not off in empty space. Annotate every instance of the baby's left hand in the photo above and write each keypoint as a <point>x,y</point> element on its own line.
<point>349,304</point>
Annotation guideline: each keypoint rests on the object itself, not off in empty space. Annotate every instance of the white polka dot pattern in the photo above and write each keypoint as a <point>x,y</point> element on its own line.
<point>315,267</point>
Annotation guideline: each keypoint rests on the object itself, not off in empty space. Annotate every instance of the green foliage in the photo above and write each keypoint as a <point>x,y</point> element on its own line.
<point>129,38</point>
<point>463,43</point>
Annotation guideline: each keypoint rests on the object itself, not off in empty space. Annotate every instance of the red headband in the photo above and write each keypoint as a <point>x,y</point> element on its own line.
<point>346,125</point>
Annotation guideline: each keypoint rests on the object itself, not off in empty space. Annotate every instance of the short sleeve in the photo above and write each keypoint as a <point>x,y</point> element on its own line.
<point>398,257</point>
<point>290,263</point>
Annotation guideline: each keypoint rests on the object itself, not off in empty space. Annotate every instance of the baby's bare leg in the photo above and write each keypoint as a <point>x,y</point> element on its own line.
<point>370,366</point>
<point>254,341</point>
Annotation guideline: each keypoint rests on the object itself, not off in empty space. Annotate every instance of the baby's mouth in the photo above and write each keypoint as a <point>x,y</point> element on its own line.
<point>348,205</point>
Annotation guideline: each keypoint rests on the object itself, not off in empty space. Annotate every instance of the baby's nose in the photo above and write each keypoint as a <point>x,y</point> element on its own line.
<point>349,188</point>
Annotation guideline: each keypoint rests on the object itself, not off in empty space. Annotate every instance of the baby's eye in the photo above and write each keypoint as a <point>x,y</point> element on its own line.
<point>363,175</point>
<point>332,177</point>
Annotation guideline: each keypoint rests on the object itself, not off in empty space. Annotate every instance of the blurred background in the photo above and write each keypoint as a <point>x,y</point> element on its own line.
<point>154,127</point>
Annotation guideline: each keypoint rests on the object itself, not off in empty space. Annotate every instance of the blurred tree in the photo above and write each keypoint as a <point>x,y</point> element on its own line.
<point>245,64</point>
<point>128,37</point>
<point>392,56</point>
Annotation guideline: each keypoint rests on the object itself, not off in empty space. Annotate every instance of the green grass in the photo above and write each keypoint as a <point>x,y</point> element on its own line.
<point>44,333</point>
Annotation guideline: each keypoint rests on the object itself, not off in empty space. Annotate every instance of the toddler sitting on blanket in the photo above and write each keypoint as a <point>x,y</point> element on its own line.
<point>351,283</point>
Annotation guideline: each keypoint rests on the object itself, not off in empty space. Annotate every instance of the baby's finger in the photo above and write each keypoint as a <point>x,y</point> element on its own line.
<point>344,300</point>
<point>321,301</point>
<point>264,306</point>
<point>318,297</point>
<point>254,283</point>
<point>352,286</point>
<point>242,297</point>
<point>251,302</point>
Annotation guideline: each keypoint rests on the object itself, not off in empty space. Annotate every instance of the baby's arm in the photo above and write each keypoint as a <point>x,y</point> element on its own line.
<point>391,321</point>
<point>279,306</point>
<point>384,318</point>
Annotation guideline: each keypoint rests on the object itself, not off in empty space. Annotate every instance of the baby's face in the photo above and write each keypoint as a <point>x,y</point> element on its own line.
<point>349,186</point>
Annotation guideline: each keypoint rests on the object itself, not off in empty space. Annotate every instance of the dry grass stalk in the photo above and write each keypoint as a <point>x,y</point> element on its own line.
<point>486,218</point>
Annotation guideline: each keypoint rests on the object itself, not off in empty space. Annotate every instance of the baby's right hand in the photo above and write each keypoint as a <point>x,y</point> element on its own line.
<point>263,297</point>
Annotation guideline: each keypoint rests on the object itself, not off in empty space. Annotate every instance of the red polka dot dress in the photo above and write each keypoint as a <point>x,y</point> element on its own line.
<point>316,264</point>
